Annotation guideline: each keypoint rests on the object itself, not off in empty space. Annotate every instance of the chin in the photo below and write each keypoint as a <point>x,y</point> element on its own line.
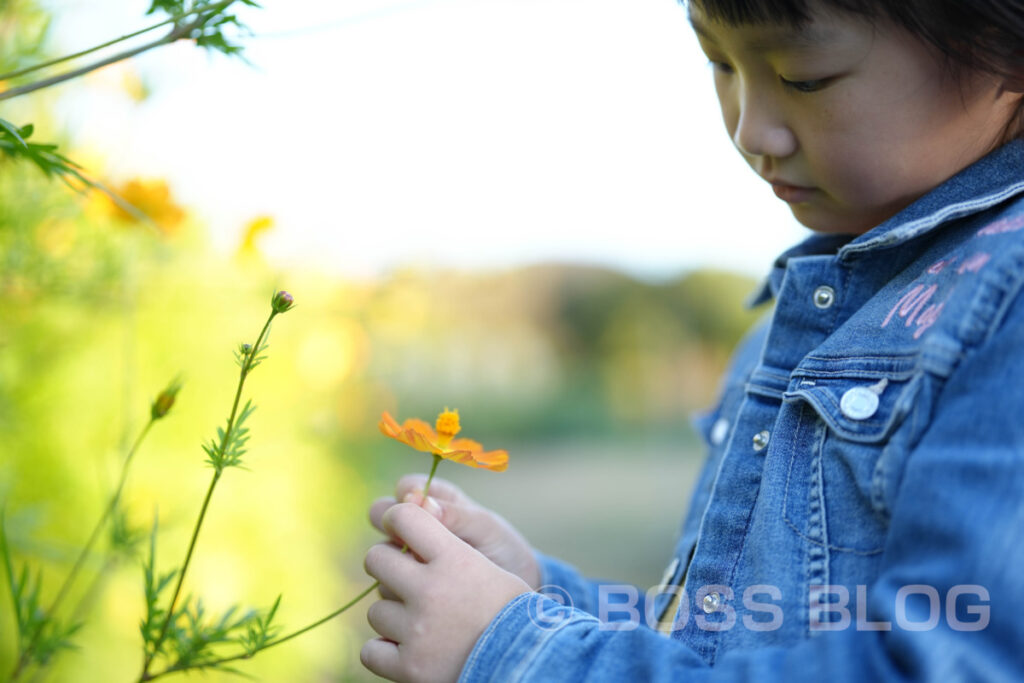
<point>828,222</point>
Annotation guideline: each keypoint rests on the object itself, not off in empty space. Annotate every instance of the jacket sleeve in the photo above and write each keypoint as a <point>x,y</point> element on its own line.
<point>563,584</point>
<point>949,584</point>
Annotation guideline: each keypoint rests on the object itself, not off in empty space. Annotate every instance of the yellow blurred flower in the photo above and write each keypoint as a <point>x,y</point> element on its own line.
<point>253,231</point>
<point>421,436</point>
<point>151,198</point>
<point>134,86</point>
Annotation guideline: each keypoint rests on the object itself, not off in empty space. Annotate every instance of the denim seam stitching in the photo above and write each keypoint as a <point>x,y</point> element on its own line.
<point>921,225</point>
<point>714,644</point>
<point>785,503</point>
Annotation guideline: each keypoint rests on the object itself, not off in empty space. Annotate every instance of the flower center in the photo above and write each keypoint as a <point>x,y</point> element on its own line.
<point>447,425</point>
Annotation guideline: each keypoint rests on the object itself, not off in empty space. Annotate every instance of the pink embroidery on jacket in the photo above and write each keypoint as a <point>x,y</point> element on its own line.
<point>1012,224</point>
<point>940,266</point>
<point>974,263</point>
<point>911,303</point>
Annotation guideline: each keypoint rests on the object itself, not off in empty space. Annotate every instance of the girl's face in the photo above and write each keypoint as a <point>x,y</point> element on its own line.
<point>848,121</point>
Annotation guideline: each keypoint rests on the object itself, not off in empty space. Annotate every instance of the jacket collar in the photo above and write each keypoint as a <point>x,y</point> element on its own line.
<point>982,185</point>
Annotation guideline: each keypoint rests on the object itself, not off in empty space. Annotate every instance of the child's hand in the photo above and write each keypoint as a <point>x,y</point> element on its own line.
<point>445,595</point>
<point>481,528</point>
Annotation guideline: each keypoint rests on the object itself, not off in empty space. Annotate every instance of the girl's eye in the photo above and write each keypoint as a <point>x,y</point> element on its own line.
<point>805,86</point>
<point>720,67</point>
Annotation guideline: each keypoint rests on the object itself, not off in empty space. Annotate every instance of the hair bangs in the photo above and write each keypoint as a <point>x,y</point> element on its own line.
<point>793,12</point>
<point>737,12</point>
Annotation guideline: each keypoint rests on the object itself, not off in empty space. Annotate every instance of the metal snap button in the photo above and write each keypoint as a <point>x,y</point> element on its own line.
<point>824,297</point>
<point>711,603</point>
<point>719,431</point>
<point>761,440</point>
<point>859,403</point>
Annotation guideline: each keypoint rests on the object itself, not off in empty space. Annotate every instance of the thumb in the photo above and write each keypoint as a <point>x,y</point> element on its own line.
<point>468,521</point>
<point>440,489</point>
<point>431,504</point>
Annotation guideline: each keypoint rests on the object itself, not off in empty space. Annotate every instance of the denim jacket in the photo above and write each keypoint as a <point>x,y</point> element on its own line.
<point>860,516</point>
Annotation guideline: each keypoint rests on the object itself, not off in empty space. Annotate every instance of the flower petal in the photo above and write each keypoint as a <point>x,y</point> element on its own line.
<point>421,436</point>
<point>496,461</point>
<point>420,427</point>
<point>388,427</point>
<point>420,442</point>
<point>465,445</point>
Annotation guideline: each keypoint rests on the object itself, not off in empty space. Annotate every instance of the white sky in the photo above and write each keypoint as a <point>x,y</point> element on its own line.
<point>474,133</point>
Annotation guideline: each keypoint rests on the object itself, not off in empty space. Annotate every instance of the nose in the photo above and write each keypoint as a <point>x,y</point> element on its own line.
<point>758,126</point>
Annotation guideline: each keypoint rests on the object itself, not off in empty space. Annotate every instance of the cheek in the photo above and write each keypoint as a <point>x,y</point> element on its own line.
<point>730,109</point>
<point>853,154</point>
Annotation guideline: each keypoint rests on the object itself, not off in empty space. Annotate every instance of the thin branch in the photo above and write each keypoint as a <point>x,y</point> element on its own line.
<point>294,634</point>
<point>177,33</point>
<point>249,655</point>
<point>67,76</point>
<point>95,48</point>
<point>150,656</point>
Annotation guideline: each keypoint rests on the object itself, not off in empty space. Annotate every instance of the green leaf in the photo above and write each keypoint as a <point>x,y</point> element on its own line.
<point>14,132</point>
<point>153,586</point>
<point>8,567</point>
<point>261,631</point>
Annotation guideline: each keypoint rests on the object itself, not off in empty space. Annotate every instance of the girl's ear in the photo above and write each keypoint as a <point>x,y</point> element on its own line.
<point>1015,81</point>
<point>1014,84</point>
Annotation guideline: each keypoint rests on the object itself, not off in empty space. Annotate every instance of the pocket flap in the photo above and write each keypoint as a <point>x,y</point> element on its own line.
<point>861,399</point>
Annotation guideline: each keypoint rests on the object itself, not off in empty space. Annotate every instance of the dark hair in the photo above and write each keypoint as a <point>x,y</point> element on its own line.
<point>980,35</point>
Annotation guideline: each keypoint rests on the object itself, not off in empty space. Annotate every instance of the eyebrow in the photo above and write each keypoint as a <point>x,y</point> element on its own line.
<point>795,39</point>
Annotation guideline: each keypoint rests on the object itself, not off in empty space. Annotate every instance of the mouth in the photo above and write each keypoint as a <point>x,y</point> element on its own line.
<point>792,194</point>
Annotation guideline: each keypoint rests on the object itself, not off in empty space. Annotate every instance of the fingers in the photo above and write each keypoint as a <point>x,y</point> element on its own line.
<point>381,505</point>
<point>386,593</point>
<point>389,619</point>
<point>377,510</point>
<point>468,522</point>
<point>410,490</point>
<point>381,657</point>
<point>395,570</point>
<point>441,489</point>
<point>418,529</point>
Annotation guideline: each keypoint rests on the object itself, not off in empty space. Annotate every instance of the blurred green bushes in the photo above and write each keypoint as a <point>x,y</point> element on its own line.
<point>99,311</point>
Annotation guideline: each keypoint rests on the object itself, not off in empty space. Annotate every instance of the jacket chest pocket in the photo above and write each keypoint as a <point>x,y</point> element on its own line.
<point>849,411</point>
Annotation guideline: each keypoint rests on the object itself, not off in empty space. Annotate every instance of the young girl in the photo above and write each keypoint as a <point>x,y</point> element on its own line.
<point>861,513</point>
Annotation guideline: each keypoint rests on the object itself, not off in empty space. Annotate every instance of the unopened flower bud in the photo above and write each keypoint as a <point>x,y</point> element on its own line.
<point>282,301</point>
<point>165,400</point>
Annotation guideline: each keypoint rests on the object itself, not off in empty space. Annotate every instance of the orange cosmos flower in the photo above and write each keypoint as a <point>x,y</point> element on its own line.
<point>441,443</point>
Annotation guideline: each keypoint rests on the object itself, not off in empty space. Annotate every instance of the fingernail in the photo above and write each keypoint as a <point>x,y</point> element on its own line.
<point>412,497</point>
<point>433,507</point>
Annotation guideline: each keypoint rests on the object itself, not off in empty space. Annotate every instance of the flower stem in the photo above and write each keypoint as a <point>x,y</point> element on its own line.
<point>248,655</point>
<point>62,593</point>
<point>294,634</point>
<point>246,367</point>
<point>179,32</point>
<point>430,477</point>
<point>36,67</point>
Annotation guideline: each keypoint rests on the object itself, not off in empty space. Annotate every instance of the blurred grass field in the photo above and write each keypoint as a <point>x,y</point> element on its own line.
<point>586,375</point>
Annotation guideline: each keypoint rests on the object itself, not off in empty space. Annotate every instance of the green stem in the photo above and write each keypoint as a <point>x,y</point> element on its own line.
<point>65,587</point>
<point>246,367</point>
<point>179,32</point>
<point>95,48</point>
<point>430,477</point>
<point>111,506</point>
<point>310,627</point>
